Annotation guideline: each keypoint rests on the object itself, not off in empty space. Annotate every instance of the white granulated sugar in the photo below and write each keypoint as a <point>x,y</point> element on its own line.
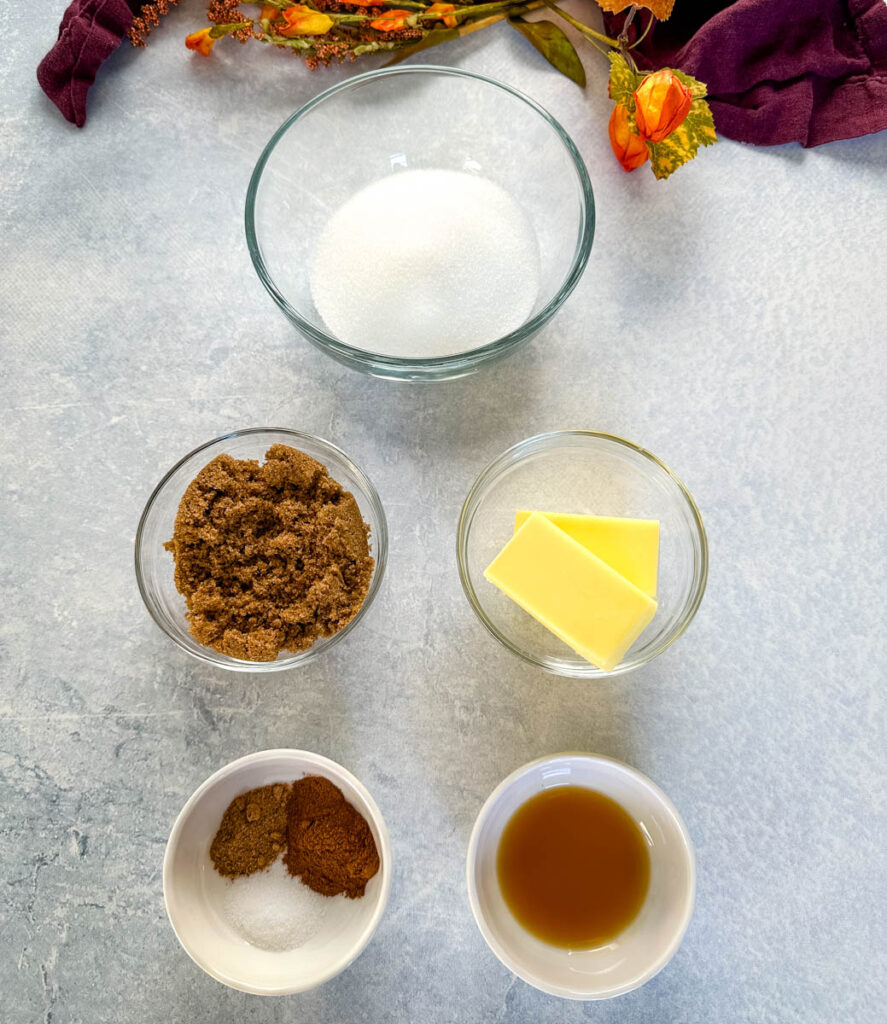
<point>273,910</point>
<point>426,263</point>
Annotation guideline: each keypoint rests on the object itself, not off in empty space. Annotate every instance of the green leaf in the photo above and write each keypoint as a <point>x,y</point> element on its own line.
<point>554,46</point>
<point>697,89</point>
<point>623,81</point>
<point>697,129</point>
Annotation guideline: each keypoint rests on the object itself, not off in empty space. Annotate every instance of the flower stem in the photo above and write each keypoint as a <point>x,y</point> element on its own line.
<point>470,10</point>
<point>645,33</point>
<point>629,18</point>
<point>462,10</point>
<point>494,12</point>
<point>589,33</point>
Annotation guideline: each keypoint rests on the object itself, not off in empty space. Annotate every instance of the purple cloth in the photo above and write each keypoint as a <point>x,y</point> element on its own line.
<point>808,71</point>
<point>91,30</point>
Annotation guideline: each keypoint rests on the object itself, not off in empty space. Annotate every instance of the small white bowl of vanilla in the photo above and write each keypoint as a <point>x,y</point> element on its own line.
<point>581,876</point>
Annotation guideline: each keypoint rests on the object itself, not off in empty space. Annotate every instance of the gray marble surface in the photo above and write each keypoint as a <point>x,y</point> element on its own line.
<point>732,320</point>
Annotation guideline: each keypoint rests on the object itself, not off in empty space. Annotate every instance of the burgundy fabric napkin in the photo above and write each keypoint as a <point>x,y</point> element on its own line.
<point>808,71</point>
<point>91,30</point>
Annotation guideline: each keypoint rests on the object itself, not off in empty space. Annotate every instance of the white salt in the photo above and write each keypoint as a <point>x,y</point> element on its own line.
<point>273,910</point>
<point>426,263</point>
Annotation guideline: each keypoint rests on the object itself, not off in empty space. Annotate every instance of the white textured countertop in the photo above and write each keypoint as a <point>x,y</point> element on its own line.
<point>731,319</point>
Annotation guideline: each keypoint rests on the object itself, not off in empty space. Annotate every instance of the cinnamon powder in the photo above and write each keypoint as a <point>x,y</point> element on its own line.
<point>329,844</point>
<point>269,557</point>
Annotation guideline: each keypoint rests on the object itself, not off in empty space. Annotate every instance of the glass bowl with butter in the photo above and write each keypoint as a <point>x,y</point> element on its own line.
<point>582,553</point>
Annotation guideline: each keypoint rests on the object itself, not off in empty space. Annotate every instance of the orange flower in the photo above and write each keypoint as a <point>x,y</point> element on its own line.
<point>662,101</point>
<point>391,21</point>
<point>303,21</point>
<point>201,42</point>
<point>443,10</point>
<point>630,148</point>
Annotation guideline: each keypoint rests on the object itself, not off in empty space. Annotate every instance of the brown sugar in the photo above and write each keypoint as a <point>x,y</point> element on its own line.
<point>252,831</point>
<point>270,556</point>
<point>329,844</point>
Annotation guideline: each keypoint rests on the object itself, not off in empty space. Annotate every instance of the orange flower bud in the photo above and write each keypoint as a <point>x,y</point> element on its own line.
<point>630,148</point>
<point>201,42</point>
<point>304,21</point>
<point>391,21</point>
<point>662,102</point>
<point>443,10</point>
<point>269,13</point>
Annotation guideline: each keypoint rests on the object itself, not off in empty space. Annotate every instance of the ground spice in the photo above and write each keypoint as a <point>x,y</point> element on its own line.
<point>329,844</point>
<point>252,832</point>
<point>269,557</point>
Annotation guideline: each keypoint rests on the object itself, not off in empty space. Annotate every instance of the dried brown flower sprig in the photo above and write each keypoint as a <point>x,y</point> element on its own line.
<point>148,16</point>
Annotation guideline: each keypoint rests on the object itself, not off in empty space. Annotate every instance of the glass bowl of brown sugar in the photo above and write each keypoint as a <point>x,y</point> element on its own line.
<point>261,549</point>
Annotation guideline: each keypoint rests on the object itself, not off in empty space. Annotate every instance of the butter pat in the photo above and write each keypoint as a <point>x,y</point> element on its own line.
<point>630,546</point>
<point>571,591</point>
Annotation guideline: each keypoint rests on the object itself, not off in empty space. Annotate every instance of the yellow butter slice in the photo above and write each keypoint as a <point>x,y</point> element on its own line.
<point>630,546</point>
<point>571,591</point>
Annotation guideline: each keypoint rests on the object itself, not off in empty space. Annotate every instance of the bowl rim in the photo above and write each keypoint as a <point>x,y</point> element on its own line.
<point>379,551</point>
<point>466,515</point>
<point>303,757</point>
<point>667,806</point>
<point>463,361</point>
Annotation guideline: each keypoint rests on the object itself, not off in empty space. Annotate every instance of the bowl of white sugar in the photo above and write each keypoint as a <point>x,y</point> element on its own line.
<point>419,222</point>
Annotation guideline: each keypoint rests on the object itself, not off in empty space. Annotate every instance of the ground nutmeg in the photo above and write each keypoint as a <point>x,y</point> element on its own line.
<point>252,831</point>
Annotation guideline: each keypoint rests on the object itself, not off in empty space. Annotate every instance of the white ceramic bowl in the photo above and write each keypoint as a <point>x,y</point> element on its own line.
<point>648,943</point>
<point>194,891</point>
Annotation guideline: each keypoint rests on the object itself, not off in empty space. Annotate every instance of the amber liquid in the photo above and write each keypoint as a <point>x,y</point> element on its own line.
<point>573,867</point>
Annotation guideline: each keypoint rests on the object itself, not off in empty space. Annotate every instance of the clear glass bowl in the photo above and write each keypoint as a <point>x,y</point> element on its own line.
<point>585,472</point>
<point>380,123</point>
<point>154,565</point>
